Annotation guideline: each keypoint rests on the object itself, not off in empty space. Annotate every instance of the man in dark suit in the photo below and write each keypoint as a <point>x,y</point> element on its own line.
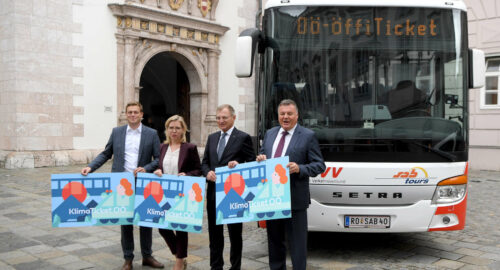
<point>302,148</point>
<point>226,147</point>
<point>134,148</point>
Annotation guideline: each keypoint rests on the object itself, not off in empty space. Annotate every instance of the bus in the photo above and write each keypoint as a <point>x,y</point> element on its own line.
<point>384,85</point>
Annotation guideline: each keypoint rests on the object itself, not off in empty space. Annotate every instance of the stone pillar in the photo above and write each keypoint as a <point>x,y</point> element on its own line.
<point>197,100</point>
<point>212,84</point>
<point>129,91</point>
<point>120,56</point>
<point>137,90</point>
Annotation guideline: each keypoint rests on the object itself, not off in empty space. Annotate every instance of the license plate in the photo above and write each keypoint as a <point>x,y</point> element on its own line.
<point>377,222</point>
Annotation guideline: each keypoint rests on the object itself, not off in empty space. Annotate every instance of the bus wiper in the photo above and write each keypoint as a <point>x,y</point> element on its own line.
<point>436,150</point>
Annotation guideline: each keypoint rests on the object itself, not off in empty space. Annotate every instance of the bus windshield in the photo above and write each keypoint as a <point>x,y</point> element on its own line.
<point>376,84</point>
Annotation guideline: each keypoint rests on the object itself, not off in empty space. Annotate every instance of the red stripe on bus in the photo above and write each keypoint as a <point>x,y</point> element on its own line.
<point>459,210</point>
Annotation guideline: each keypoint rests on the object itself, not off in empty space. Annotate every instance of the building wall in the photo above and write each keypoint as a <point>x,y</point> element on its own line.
<point>240,93</point>
<point>99,78</point>
<point>484,34</point>
<point>7,72</point>
<point>58,75</point>
<point>37,90</point>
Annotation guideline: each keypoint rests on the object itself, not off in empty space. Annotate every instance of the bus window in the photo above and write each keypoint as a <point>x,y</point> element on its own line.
<point>88,183</point>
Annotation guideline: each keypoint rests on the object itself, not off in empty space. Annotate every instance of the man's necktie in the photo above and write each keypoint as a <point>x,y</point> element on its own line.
<point>281,144</point>
<point>222,144</point>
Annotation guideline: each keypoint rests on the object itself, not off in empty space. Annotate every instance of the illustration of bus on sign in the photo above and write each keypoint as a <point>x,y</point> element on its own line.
<point>170,202</point>
<point>253,191</point>
<point>93,200</point>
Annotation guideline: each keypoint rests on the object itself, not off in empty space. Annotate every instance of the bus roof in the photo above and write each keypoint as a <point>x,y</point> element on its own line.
<point>448,4</point>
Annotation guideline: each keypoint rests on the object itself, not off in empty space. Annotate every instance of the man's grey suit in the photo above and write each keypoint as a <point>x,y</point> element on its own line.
<point>303,149</point>
<point>149,152</point>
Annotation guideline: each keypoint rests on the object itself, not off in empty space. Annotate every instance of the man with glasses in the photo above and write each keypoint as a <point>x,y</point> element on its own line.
<point>226,147</point>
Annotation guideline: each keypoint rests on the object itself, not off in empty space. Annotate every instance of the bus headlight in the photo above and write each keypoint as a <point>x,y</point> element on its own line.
<point>449,194</point>
<point>450,190</point>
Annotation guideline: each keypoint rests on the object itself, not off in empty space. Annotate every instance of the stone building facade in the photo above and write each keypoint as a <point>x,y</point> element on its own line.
<point>68,68</point>
<point>37,83</point>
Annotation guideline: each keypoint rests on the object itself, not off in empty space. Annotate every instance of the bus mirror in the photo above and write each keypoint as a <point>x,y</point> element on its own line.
<point>451,100</point>
<point>246,44</point>
<point>476,68</point>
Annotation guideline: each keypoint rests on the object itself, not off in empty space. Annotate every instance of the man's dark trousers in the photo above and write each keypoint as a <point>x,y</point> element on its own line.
<point>146,235</point>
<point>216,233</point>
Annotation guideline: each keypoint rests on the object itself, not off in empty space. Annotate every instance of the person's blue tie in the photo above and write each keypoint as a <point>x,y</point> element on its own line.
<point>222,145</point>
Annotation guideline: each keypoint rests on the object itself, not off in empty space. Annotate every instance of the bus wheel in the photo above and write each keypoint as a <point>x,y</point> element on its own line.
<point>286,212</point>
<point>104,221</point>
<point>174,225</point>
<point>197,228</point>
<point>261,215</point>
<point>114,220</point>
<point>131,220</point>
<point>183,226</point>
<point>270,214</point>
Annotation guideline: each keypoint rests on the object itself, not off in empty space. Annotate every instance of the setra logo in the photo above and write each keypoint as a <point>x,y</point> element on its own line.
<point>416,175</point>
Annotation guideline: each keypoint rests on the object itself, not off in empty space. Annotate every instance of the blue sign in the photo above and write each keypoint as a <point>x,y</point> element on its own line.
<point>253,191</point>
<point>170,202</point>
<point>93,200</point>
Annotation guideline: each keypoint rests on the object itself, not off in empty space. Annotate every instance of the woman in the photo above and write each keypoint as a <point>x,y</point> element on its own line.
<point>279,179</point>
<point>181,158</point>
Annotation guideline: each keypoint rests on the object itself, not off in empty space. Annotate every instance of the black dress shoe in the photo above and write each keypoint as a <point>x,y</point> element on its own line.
<point>152,262</point>
<point>127,265</point>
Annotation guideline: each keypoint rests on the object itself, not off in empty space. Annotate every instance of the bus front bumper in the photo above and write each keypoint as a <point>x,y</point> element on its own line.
<point>419,217</point>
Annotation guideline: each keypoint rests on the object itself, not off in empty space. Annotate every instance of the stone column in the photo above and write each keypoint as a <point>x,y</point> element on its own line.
<point>120,53</point>
<point>212,84</point>
<point>137,90</point>
<point>129,91</point>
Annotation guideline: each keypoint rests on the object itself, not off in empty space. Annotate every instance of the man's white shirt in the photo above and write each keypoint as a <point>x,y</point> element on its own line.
<point>132,143</point>
<point>287,140</point>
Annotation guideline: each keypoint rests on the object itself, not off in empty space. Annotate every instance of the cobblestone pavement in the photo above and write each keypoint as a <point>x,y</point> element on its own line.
<point>27,240</point>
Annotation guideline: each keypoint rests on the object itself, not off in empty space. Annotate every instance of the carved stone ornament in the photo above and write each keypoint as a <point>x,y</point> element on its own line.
<point>205,6</point>
<point>176,4</point>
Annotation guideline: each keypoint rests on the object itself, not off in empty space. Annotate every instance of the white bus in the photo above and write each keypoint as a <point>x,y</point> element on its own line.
<point>384,84</point>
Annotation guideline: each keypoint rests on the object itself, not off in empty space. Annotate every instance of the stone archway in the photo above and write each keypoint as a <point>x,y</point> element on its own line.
<point>164,92</point>
<point>143,32</point>
<point>196,73</point>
